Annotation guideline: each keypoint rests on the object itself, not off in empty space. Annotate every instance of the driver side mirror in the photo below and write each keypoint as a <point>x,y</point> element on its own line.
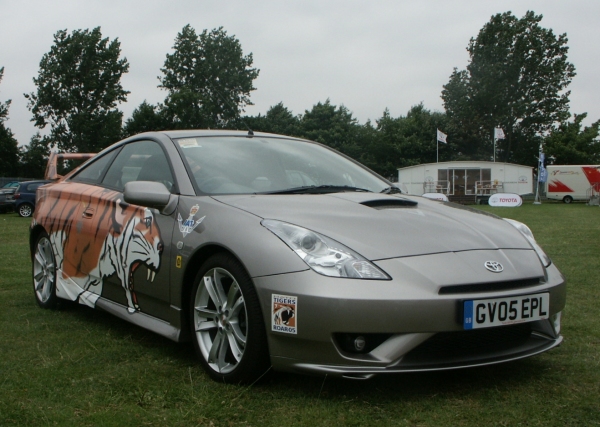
<point>150,194</point>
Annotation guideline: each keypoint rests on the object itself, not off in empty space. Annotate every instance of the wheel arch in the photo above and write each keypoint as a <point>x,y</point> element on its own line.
<point>34,234</point>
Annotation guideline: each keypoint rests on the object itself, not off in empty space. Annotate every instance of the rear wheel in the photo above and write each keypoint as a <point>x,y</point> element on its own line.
<point>25,210</point>
<point>567,199</point>
<point>227,325</point>
<point>44,273</point>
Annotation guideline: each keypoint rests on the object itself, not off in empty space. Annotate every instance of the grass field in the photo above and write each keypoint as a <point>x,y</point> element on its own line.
<point>82,367</point>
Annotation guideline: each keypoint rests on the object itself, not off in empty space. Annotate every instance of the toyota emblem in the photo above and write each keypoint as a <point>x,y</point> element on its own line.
<point>493,266</point>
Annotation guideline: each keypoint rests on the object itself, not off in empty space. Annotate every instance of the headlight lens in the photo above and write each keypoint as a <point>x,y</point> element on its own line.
<point>525,231</point>
<point>324,255</point>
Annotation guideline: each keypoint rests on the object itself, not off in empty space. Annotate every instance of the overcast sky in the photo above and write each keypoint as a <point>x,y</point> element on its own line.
<point>365,55</point>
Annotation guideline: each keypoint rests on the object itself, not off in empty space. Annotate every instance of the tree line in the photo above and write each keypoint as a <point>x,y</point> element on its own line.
<point>516,79</point>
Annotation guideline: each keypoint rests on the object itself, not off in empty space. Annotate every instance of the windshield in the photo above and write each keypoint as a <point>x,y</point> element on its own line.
<point>241,165</point>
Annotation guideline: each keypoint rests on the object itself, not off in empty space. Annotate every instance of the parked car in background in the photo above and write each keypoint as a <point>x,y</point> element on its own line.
<point>24,197</point>
<point>7,192</point>
<point>270,251</point>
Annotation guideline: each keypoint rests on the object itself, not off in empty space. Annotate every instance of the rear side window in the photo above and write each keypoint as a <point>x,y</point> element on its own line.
<point>32,187</point>
<point>93,172</point>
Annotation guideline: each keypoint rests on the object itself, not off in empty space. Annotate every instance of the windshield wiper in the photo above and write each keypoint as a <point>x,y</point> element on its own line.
<point>391,190</point>
<point>318,189</point>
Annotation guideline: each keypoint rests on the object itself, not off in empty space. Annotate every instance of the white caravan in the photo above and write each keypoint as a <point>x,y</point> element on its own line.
<point>465,178</point>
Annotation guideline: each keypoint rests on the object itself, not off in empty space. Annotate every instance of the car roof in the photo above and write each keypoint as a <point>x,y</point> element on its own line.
<point>189,133</point>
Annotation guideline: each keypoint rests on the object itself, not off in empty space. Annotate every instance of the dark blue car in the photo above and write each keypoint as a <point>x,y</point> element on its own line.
<point>25,197</point>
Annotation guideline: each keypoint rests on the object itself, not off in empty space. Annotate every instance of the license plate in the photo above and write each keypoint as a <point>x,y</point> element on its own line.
<point>486,313</point>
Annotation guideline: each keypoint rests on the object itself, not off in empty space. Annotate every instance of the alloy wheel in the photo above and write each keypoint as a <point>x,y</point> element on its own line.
<point>44,271</point>
<point>220,320</point>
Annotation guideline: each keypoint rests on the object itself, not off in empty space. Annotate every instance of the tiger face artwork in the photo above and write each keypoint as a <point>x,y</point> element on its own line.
<point>103,236</point>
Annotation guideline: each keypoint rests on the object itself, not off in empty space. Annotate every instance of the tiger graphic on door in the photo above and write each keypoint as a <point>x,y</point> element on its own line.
<point>102,236</point>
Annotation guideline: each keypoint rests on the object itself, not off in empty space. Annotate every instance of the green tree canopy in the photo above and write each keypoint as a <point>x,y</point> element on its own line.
<point>410,140</point>
<point>329,125</point>
<point>278,119</point>
<point>78,89</point>
<point>570,145</point>
<point>145,118</point>
<point>9,150</point>
<point>34,157</point>
<point>516,79</point>
<point>208,79</point>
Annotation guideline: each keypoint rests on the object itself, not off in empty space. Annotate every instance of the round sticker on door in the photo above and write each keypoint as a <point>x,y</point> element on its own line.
<point>506,200</point>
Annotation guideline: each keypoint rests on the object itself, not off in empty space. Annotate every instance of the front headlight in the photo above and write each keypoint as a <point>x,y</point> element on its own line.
<point>525,231</point>
<point>324,255</point>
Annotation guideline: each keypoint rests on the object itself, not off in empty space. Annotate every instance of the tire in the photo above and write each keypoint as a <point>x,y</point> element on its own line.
<point>25,210</point>
<point>226,322</point>
<point>567,199</point>
<point>44,273</point>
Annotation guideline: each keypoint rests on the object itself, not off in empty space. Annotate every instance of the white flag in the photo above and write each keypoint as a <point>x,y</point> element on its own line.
<point>441,137</point>
<point>498,133</point>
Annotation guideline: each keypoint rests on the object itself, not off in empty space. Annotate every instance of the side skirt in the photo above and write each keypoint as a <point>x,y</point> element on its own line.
<point>140,319</point>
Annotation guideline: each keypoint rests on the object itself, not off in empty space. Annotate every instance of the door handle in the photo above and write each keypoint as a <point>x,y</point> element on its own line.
<point>88,213</point>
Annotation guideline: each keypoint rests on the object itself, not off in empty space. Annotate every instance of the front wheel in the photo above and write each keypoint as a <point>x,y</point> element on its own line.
<point>44,273</point>
<point>227,324</point>
<point>25,210</point>
<point>567,199</point>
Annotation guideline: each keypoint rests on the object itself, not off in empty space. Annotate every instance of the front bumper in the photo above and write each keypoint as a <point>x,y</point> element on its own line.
<point>414,323</point>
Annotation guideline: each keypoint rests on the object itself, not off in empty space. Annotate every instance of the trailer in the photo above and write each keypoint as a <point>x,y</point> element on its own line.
<point>474,181</point>
<point>573,182</point>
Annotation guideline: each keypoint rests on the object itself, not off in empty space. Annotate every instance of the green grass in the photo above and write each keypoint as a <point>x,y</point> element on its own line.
<point>83,367</point>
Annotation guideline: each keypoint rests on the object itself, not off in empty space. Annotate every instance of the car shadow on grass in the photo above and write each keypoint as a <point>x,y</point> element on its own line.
<point>405,386</point>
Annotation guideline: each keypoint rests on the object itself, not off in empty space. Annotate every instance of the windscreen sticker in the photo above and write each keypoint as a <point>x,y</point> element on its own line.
<point>284,314</point>
<point>187,226</point>
<point>187,142</point>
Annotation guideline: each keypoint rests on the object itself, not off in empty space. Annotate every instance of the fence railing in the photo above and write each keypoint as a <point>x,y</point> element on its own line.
<point>436,187</point>
<point>488,187</point>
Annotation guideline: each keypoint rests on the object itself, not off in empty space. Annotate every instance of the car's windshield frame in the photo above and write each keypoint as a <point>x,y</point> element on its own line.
<point>220,165</point>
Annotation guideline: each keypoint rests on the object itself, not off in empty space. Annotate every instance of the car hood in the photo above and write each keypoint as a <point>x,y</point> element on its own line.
<point>386,226</point>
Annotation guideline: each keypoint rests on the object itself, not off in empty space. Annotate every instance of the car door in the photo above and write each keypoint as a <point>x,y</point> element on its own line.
<point>127,246</point>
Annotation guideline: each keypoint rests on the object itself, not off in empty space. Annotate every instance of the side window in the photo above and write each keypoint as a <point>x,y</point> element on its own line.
<point>93,172</point>
<point>140,161</point>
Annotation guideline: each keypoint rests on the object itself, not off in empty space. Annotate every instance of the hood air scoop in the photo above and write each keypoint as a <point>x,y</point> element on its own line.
<point>381,204</point>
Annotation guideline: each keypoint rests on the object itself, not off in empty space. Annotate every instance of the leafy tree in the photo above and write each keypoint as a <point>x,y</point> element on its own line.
<point>78,89</point>
<point>34,157</point>
<point>9,151</point>
<point>516,79</point>
<point>409,140</point>
<point>570,145</point>
<point>279,119</point>
<point>208,79</point>
<point>145,118</point>
<point>374,151</point>
<point>330,125</point>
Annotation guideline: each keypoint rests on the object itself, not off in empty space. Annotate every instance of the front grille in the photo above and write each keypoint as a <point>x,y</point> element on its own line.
<point>447,346</point>
<point>489,287</point>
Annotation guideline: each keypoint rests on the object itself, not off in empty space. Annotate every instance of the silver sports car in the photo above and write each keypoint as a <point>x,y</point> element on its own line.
<point>270,251</point>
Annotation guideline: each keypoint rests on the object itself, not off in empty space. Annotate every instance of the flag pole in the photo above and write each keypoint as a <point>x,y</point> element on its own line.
<point>494,145</point>
<point>537,200</point>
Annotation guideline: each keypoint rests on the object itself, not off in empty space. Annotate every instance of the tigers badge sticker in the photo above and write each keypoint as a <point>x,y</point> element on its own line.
<point>284,313</point>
